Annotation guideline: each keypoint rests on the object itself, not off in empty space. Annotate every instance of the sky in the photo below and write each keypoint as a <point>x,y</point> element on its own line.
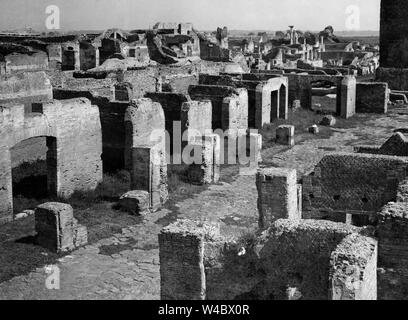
<point>271,15</point>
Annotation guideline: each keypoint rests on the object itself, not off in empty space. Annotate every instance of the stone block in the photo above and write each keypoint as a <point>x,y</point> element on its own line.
<point>372,97</point>
<point>135,202</point>
<point>314,129</point>
<point>277,195</point>
<point>328,121</point>
<point>348,97</point>
<point>54,224</point>
<point>181,250</point>
<point>285,135</point>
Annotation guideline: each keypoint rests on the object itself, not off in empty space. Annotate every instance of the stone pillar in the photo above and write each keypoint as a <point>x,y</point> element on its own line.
<point>97,57</point>
<point>181,251</point>
<point>57,229</point>
<point>394,34</point>
<point>348,97</point>
<point>196,118</point>
<point>208,171</point>
<point>285,135</point>
<point>234,116</point>
<point>262,106</point>
<point>149,173</point>
<point>372,97</point>
<point>6,186</point>
<point>392,231</point>
<point>277,195</point>
<point>353,269</point>
<point>77,58</point>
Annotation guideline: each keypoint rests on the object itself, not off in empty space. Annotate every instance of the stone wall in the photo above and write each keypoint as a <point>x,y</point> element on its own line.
<point>171,104</point>
<point>112,115</point>
<point>277,195</point>
<point>372,97</point>
<point>17,62</point>
<point>357,184</point>
<point>145,149</point>
<point>393,34</point>
<point>260,93</point>
<point>396,78</point>
<point>224,100</point>
<point>74,141</point>
<point>302,259</point>
<point>29,87</point>
<point>300,88</point>
<point>57,229</point>
<point>392,251</point>
<point>196,118</point>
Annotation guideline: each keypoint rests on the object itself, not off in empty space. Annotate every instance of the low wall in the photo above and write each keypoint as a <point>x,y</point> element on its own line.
<point>292,260</point>
<point>352,183</point>
<point>372,97</point>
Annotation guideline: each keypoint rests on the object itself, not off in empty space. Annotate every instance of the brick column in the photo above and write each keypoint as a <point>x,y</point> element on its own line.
<point>277,195</point>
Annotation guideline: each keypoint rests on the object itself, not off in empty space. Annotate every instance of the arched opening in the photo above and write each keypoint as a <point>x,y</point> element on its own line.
<point>33,172</point>
<point>324,96</point>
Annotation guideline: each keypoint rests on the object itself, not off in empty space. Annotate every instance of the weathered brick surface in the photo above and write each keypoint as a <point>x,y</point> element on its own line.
<point>392,252</point>
<point>74,141</point>
<point>196,118</point>
<point>302,259</point>
<point>29,87</point>
<point>277,195</point>
<point>371,97</point>
<point>393,34</point>
<point>135,202</point>
<point>348,97</point>
<point>353,183</point>
<point>229,105</point>
<point>57,230</point>
<point>353,269</point>
<point>207,171</point>
<point>285,135</point>
<point>182,275</point>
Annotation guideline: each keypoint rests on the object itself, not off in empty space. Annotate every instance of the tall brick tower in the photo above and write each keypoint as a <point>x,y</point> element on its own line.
<point>394,44</point>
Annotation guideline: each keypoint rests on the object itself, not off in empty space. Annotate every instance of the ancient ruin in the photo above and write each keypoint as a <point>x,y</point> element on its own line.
<point>175,163</point>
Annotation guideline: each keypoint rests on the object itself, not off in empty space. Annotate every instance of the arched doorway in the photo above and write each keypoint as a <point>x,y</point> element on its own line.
<point>33,172</point>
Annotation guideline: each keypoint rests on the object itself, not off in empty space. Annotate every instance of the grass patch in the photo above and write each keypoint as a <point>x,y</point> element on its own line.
<point>301,119</point>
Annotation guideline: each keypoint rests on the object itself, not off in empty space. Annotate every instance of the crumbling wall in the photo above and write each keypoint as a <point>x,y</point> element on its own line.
<point>29,87</point>
<point>302,259</point>
<point>260,94</point>
<point>57,229</point>
<point>277,195</point>
<point>17,62</point>
<point>142,81</point>
<point>145,149</point>
<point>112,114</point>
<point>352,183</point>
<point>179,83</point>
<point>171,104</point>
<point>223,99</point>
<point>75,153</point>
<point>196,118</point>
<point>396,78</point>
<point>392,251</point>
<point>393,34</point>
<point>372,97</point>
